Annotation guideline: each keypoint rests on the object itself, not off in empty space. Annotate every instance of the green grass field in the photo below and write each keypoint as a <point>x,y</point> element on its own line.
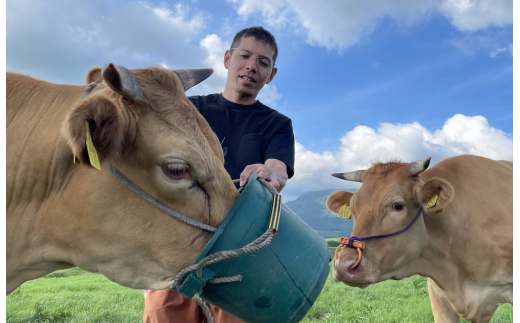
<point>74,295</point>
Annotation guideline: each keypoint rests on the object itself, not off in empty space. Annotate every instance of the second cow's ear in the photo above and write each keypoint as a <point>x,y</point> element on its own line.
<point>338,199</point>
<point>434,195</point>
<point>94,75</point>
<point>105,125</point>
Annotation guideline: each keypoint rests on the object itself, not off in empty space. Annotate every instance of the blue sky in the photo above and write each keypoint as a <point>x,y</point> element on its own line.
<point>361,81</point>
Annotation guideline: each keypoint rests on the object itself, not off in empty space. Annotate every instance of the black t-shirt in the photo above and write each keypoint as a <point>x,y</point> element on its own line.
<point>250,134</point>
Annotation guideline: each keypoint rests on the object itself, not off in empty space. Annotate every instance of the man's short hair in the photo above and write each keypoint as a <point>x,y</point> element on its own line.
<point>260,34</point>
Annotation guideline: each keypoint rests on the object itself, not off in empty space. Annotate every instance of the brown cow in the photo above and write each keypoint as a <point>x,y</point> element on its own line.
<point>463,243</point>
<point>62,212</point>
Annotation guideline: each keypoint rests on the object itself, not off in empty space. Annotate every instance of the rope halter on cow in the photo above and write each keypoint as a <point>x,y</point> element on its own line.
<point>356,242</point>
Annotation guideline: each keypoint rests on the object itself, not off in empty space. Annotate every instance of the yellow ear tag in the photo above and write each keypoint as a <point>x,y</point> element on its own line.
<point>92,154</point>
<point>345,212</point>
<point>432,201</point>
<point>74,159</point>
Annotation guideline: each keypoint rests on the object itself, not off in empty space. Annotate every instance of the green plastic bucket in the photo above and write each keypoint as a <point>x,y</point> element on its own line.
<point>280,282</point>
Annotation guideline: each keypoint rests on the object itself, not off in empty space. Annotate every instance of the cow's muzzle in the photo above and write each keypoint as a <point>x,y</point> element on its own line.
<point>350,242</point>
<point>355,242</point>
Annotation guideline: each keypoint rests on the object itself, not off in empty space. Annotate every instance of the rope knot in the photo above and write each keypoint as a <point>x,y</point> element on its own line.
<point>351,240</point>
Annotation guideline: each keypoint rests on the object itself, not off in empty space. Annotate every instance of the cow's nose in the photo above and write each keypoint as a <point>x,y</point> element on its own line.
<point>342,265</point>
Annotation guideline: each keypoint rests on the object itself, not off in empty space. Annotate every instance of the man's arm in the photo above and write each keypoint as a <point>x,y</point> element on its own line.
<point>274,171</point>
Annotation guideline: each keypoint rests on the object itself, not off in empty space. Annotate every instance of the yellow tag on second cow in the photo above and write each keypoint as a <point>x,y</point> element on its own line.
<point>92,154</point>
<point>345,212</point>
<point>432,201</point>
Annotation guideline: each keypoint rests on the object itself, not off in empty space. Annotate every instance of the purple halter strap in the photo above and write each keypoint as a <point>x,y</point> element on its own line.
<point>352,238</point>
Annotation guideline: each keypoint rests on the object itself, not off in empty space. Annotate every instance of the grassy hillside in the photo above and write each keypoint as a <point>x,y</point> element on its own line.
<point>312,208</point>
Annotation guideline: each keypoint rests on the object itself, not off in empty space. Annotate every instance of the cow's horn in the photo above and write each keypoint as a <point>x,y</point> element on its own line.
<point>121,80</point>
<point>354,176</point>
<point>192,77</point>
<point>419,166</point>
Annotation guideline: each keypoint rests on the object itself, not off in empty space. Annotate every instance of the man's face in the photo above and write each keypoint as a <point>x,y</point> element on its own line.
<point>250,66</point>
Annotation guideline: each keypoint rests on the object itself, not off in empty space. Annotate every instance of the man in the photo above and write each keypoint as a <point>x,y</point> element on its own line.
<point>254,137</point>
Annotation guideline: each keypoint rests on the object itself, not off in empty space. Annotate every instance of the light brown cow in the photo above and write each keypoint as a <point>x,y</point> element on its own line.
<point>62,212</point>
<point>463,244</point>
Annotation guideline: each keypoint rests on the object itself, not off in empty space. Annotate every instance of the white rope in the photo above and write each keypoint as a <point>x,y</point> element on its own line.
<point>259,243</point>
<point>204,306</point>
<point>145,196</point>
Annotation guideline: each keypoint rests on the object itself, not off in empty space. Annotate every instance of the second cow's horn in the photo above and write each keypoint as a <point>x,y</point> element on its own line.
<point>354,176</point>
<point>419,166</point>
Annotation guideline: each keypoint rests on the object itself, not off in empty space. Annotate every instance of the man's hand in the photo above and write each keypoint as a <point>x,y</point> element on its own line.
<point>274,171</point>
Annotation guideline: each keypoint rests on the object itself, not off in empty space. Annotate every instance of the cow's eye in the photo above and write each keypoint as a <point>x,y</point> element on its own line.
<point>398,206</point>
<point>175,170</point>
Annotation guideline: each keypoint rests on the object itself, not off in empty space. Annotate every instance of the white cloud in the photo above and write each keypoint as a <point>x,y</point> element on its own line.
<point>490,41</point>
<point>274,12</point>
<point>509,49</point>
<point>497,51</point>
<point>363,145</point>
<point>59,40</point>
<point>472,15</point>
<point>472,135</point>
<point>269,95</point>
<point>340,24</point>
<point>215,49</point>
<point>333,24</point>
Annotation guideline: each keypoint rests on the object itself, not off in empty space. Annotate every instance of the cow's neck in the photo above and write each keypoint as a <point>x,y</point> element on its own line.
<point>466,292</point>
<point>436,262</point>
<point>39,167</point>
<point>38,160</point>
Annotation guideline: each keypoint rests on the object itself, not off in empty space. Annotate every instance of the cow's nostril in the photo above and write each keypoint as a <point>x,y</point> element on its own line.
<point>349,262</point>
<point>341,267</point>
<point>341,273</point>
<point>342,264</point>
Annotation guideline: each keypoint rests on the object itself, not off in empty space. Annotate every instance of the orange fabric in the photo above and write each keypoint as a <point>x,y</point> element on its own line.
<point>357,244</point>
<point>167,306</point>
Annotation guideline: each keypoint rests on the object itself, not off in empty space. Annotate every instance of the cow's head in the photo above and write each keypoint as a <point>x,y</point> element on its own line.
<point>143,125</point>
<point>388,201</point>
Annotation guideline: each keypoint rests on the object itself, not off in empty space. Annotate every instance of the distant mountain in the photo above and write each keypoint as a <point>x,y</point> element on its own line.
<point>311,207</point>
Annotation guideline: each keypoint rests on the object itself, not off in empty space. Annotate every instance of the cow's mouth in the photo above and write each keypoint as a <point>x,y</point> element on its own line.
<point>353,277</point>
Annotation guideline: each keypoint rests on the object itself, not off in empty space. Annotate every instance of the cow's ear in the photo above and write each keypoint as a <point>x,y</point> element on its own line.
<point>105,124</point>
<point>435,194</point>
<point>94,75</point>
<point>338,199</point>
